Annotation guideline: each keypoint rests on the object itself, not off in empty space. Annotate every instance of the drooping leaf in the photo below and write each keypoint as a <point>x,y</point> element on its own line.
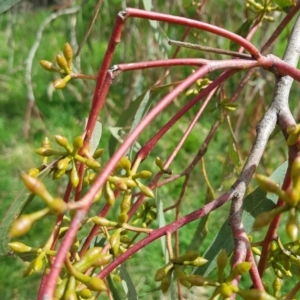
<point>6,4</point>
<point>255,203</point>
<point>96,136</point>
<point>15,209</point>
<point>127,283</point>
<point>161,223</point>
<point>113,289</point>
<point>202,227</point>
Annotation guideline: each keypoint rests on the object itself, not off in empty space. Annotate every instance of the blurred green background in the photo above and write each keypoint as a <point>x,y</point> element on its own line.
<point>64,112</point>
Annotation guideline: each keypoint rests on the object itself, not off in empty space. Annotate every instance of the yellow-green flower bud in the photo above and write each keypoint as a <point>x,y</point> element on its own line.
<point>70,293</point>
<point>68,54</point>
<point>145,189</point>
<point>78,142</point>
<point>267,184</point>
<point>199,280</point>
<point>291,196</point>
<point>48,66</point>
<point>59,83</point>
<point>58,174</point>
<point>182,276</point>
<point>33,172</point>
<point>57,206</point>
<point>162,272</point>
<point>63,163</point>
<point>36,186</point>
<point>256,251</point>
<point>292,227</point>
<point>126,202</point>
<point>87,259</point>
<point>62,63</point>
<point>24,223</point>
<point>98,153</point>
<point>159,163</point>
<point>46,143</point>
<point>222,259</point>
<point>122,218</point>
<point>225,290</point>
<point>130,183</point>
<point>292,139</point>
<point>255,294</point>
<point>74,177</point>
<point>239,270</point>
<point>115,242</point>
<point>96,284</point>
<point>166,281</point>
<point>35,266</point>
<point>85,294</point>
<point>124,163</point>
<point>60,289</point>
<point>277,283</point>
<point>188,256</point>
<point>91,163</point>
<point>103,222</point>
<point>120,185</point>
<point>19,247</point>
<point>109,194</point>
<point>61,141</point>
<point>292,129</point>
<point>125,239</point>
<point>46,152</point>
<point>101,260</point>
<point>199,261</point>
<point>143,175</point>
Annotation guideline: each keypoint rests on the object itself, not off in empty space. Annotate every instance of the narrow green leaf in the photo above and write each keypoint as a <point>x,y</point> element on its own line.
<point>202,227</point>
<point>6,4</point>
<point>161,222</point>
<point>255,203</point>
<point>96,136</point>
<point>113,289</point>
<point>15,209</point>
<point>233,153</point>
<point>127,283</point>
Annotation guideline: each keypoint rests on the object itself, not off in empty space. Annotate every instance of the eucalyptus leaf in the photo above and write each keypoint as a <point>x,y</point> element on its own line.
<point>127,283</point>
<point>96,136</point>
<point>6,4</point>
<point>17,206</point>
<point>161,223</point>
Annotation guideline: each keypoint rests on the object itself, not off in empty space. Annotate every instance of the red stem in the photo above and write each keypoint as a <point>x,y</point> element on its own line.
<point>149,15</point>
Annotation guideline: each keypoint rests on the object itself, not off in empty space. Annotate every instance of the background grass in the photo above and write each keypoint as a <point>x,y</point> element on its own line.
<point>64,112</point>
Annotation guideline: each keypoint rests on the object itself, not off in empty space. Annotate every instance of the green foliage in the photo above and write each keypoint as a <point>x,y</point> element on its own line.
<point>64,113</point>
